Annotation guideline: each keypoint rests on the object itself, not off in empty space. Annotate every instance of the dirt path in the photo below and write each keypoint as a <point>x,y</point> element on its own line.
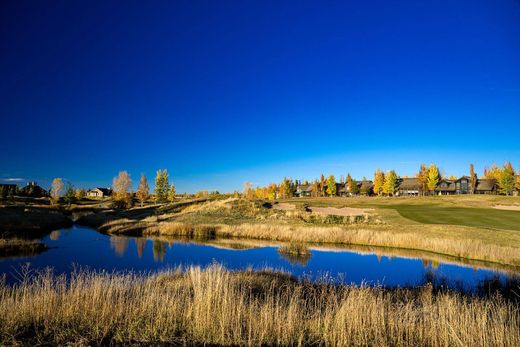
<point>344,211</point>
<point>284,206</point>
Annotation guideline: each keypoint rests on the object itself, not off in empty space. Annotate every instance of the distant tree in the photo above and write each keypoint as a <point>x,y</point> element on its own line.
<point>143,191</point>
<point>171,193</point>
<point>121,185</point>
<point>315,189</point>
<point>271,191</point>
<point>452,178</point>
<point>517,183</point>
<point>81,193</point>
<point>506,179</point>
<point>323,182</point>
<point>3,193</point>
<point>249,193</point>
<point>56,190</point>
<point>433,177</point>
<point>473,178</point>
<point>379,181</point>
<point>331,185</point>
<point>349,183</point>
<point>285,188</point>
<point>390,185</point>
<point>70,194</point>
<point>161,185</point>
<point>493,172</point>
<point>422,176</point>
<point>354,187</point>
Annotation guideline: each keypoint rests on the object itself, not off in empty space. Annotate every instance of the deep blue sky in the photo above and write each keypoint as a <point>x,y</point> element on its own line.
<point>222,92</point>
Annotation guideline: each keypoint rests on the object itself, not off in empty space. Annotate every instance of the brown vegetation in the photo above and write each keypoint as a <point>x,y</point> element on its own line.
<point>216,306</point>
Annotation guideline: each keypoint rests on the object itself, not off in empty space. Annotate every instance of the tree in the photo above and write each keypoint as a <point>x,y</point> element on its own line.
<point>81,193</point>
<point>433,177</point>
<point>56,190</point>
<point>354,187</point>
<point>390,185</point>
<point>315,189</point>
<point>473,178</point>
<point>331,185</point>
<point>70,194</point>
<point>506,179</point>
<point>379,180</point>
<point>493,172</point>
<point>271,191</point>
<point>161,185</point>
<point>249,193</point>
<point>517,184</point>
<point>349,183</point>
<point>143,191</point>
<point>121,185</point>
<point>171,193</point>
<point>323,182</point>
<point>285,188</point>
<point>422,176</point>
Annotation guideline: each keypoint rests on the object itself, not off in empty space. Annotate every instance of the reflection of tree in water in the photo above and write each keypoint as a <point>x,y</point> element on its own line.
<point>159,249</point>
<point>119,243</point>
<point>55,235</point>
<point>295,254</point>
<point>140,244</point>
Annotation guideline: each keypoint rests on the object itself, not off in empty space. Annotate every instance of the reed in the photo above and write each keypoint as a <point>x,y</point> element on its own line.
<point>217,306</point>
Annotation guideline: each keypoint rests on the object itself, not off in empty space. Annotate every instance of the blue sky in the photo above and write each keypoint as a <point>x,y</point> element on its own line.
<point>223,92</point>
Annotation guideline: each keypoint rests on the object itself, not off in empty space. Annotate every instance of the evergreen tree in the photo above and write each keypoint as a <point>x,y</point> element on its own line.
<point>379,181</point>
<point>161,186</point>
<point>70,194</point>
<point>506,179</point>
<point>390,185</point>
<point>331,185</point>
<point>354,189</point>
<point>143,191</point>
<point>433,177</point>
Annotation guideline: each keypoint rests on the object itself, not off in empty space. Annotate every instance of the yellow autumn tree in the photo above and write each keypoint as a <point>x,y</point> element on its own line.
<point>121,185</point>
<point>56,190</point>
<point>379,181</point>
<point>143,191</point>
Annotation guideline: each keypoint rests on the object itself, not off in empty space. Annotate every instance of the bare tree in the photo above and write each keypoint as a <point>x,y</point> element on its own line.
<point>56,190</point>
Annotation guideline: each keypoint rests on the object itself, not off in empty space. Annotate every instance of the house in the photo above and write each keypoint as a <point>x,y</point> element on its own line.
<point>366,187</point>
<point>32,189</point>
<point>98,193</point>
<point>303,190</point>
<point>445,187</point>
<point>463,185</point>
<point>486,186</point>
<point>408,187</point>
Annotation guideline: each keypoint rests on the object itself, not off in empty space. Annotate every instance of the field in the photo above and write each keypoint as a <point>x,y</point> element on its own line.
<point>216,306</point>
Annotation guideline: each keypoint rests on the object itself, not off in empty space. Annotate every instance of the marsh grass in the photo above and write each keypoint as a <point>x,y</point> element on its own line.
<point>216,306</point>
<point>20,247</point>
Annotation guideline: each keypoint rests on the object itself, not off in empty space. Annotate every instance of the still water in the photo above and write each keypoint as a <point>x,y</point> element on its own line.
<point>85,247</point>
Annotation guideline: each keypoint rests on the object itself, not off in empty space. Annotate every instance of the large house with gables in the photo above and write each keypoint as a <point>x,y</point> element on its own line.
<point>98,193</point>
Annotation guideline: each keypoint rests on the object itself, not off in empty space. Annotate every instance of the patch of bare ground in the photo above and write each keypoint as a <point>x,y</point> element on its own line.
<point>508,207</point>
<point>344,211</point>
<point>283,206</point>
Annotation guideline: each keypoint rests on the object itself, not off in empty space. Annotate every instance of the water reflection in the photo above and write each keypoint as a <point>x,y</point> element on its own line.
<point>373,266</point>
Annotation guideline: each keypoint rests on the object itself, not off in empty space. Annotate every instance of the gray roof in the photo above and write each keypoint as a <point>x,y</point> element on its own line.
<point>486,184</point>
<point>450,186</point>
<point>409,183</point>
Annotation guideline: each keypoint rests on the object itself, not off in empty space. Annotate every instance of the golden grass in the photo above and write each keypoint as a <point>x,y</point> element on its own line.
<point>20,247</point>
<point>464,248</point>
<point>216,306</point>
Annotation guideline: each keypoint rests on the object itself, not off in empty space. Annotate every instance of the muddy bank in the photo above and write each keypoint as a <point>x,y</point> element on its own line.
<point>31,222</point>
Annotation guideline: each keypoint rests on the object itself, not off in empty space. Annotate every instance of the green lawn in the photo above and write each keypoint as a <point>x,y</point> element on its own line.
<point>475,217</point>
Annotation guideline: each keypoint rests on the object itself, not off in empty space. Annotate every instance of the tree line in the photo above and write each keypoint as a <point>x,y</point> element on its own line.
<point>384,183</point>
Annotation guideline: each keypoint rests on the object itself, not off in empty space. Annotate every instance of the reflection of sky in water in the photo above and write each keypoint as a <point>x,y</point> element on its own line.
<point>85,247</point>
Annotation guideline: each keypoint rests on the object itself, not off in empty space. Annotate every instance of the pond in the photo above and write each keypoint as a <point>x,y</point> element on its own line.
<point>85,247</point>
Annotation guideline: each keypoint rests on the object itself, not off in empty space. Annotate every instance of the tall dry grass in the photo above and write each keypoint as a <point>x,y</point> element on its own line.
<point>216,306</point>
<point>465,248</point>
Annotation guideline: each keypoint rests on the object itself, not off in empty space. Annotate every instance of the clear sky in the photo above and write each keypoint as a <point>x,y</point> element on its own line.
<point>222,92</point>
